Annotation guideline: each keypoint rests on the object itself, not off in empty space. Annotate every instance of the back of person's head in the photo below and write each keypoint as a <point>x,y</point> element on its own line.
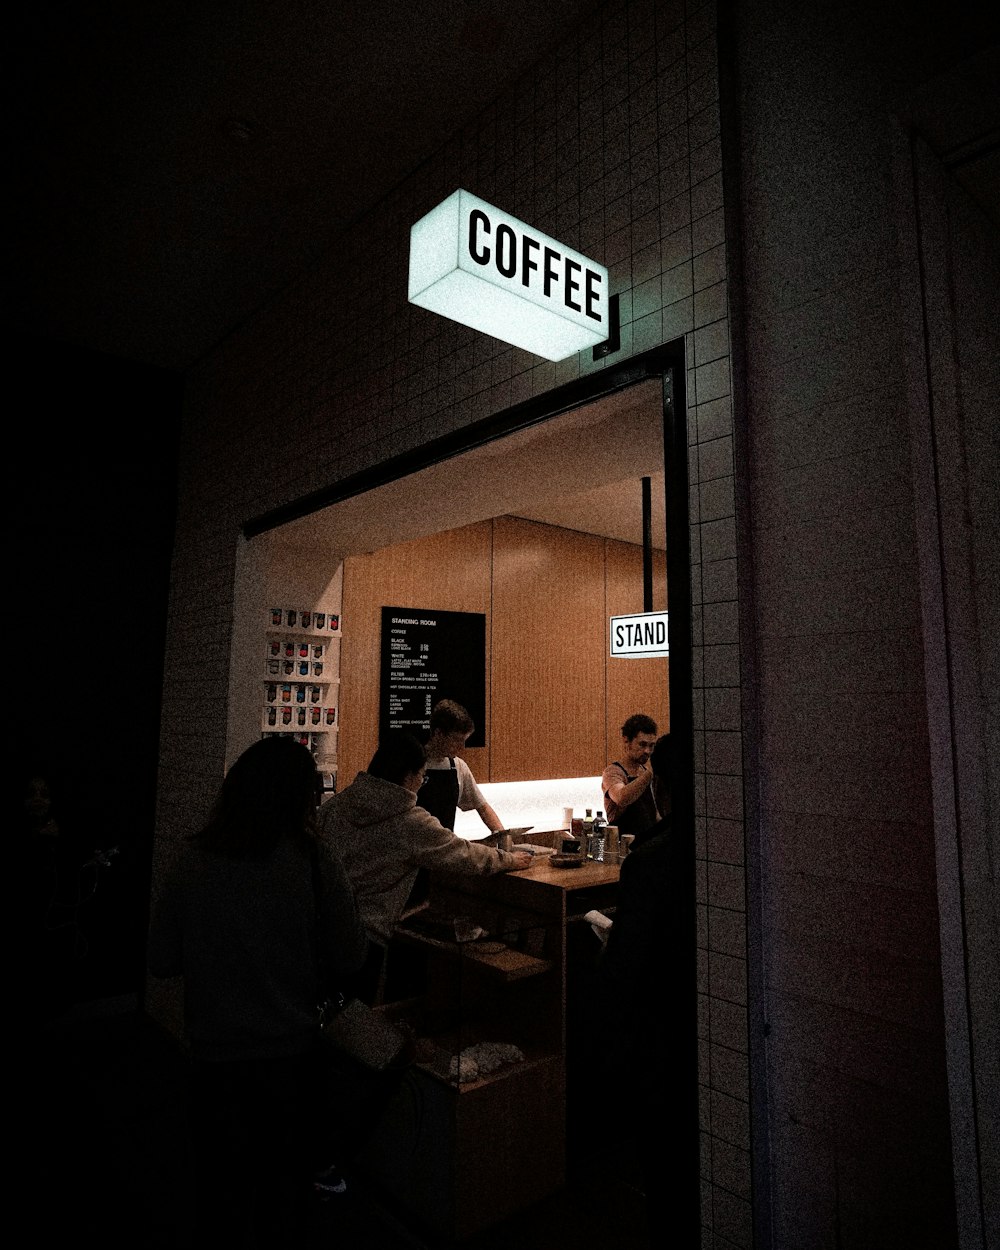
<point>399,755</point>
<point>639,723</point>
<point>269,794</point>
<point>659,759</point>
<point>449,717</point>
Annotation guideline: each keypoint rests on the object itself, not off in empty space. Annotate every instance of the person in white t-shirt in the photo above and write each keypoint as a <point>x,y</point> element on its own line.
<point>449,785</point>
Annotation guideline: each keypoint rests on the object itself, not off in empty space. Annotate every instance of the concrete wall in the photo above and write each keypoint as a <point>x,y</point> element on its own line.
<point>856,1083</point>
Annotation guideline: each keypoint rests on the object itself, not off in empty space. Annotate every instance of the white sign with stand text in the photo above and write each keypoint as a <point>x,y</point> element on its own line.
<point>641,636</point>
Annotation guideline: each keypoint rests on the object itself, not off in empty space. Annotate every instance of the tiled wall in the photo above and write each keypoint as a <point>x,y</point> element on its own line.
<point>612,145</point>
<point>721,888</point>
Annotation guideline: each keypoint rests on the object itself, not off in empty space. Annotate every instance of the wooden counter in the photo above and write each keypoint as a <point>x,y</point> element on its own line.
<point>509,986</point>
<point>557,892</point>
<point>586,876</point>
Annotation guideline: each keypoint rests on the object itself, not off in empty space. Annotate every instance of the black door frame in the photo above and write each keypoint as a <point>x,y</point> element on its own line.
<point>669,364</point>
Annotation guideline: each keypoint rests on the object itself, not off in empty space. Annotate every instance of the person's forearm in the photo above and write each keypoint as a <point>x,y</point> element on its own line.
<point>489,818</point>
<point>633,789</point>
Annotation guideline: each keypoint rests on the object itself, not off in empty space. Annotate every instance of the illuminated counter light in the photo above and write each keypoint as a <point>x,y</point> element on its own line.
<point>479,266</point>
<point>535,803</point>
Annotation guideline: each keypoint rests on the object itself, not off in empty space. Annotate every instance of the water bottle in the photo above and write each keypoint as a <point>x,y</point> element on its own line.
<point>597,838</point>
<point>600,825</point>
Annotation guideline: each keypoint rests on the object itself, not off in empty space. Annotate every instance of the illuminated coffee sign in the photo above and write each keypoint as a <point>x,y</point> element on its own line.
<point>641,636</point>
<point>481,267</point>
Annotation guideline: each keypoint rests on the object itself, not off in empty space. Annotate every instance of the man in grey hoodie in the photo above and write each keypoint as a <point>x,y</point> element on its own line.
<point>383,838</point>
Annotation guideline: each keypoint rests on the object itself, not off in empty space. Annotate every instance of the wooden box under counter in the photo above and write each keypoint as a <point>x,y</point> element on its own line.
<point>454,1153</point>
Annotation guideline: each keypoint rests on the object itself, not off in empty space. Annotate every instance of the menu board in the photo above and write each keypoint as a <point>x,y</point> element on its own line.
<point>426,656</point>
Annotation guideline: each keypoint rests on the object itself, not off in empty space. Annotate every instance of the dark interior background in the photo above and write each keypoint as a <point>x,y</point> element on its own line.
<point>93,469</point>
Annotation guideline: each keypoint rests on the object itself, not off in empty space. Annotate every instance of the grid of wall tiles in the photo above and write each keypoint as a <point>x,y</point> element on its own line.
<point>612,144</point>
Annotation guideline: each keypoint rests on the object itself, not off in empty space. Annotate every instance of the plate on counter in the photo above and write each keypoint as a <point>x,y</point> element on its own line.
<point>566,861</point>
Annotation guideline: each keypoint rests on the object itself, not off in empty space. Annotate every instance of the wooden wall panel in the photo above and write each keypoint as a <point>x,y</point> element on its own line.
<point>548,653</point>
<point>555,700</point>
<point>449,571</point>
<point>633,685</point>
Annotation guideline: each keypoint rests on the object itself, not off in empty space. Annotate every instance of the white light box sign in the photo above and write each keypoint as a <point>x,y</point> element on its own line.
<point>641,636</point>
<point>479,266</point>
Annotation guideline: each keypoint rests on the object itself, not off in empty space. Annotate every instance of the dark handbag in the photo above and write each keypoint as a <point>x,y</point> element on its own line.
<point>352,1028</point>
<point>364,1035</point>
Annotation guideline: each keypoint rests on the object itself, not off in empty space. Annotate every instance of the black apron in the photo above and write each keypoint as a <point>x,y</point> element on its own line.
<point>638,816</point>
<point>439,794</point>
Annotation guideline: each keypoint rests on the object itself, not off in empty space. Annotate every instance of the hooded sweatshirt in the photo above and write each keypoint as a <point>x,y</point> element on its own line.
<point>259,943</point>
<point>382,838</point>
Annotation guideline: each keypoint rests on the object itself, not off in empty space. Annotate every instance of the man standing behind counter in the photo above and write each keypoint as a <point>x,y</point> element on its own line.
<point>628,800</point>
<point>449,785</point>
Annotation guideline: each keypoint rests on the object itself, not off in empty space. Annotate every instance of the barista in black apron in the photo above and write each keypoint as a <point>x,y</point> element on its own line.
<point>639,815</point>
<point>449,780</point>
<point>634,813</point>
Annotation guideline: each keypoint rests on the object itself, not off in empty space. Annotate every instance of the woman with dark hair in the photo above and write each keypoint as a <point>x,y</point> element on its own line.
<point>257,916</point>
